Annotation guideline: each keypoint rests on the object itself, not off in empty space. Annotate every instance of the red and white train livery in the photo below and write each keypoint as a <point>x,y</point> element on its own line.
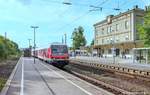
<point>56,54</point>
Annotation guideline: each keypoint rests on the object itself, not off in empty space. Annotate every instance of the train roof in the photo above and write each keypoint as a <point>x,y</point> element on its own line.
<point>54,43</point>
<point>57,43</point>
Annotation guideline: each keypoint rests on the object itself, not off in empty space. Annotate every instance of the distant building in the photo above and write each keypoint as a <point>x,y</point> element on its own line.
<point>118,33</point>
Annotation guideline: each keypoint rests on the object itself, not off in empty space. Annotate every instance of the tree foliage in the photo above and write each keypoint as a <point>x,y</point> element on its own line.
<point>78,38</point>
<point>144,29</point>
<point>7,48</point>
<point>92,43</point>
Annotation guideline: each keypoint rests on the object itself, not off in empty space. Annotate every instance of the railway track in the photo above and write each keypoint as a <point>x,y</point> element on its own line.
<point>105,79</point>
<point>116,82</point>
<point>114,67</point>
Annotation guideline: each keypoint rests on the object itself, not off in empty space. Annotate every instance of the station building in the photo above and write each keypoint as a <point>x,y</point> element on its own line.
<point>118,33</point>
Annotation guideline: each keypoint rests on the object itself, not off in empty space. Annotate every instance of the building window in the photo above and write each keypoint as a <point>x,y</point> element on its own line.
<point>117,39</point>
<point>102,31</point>
<point>127,38</point>
<point>117,27</point>
<point>111,40</point>
<point>96,33</point>
<point>102,41</point>
<point>107,30</point>
<point>126,24</point>
<point>107,40</point>
<point>110,29</point>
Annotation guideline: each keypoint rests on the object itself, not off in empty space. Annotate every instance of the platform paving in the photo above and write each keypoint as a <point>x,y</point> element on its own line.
<point>44,79</point>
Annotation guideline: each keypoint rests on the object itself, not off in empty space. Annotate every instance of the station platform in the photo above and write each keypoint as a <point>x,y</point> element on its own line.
<point>109,63</point>
<point>44,79</point>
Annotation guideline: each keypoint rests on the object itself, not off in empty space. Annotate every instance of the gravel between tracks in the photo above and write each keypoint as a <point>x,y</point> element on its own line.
<point>128,83</point>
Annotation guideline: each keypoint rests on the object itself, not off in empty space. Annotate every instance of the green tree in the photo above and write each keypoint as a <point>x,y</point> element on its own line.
<point>92,43</point>
<point>78,38</point>
<point>8,48</point>
<point>144,29</point>
<point>2,50</point>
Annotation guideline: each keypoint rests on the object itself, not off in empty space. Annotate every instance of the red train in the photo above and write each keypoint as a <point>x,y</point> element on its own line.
<point>56,54</point>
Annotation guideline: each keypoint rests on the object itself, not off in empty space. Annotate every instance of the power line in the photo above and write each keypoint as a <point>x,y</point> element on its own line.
<point>76,19</point>
<point>97,9</point>
<point>98,6</point>
<point>125,3</point>
<point>62,13</point>
<point>132,2</point>
<point>103,2</point>
<point>117,9</point>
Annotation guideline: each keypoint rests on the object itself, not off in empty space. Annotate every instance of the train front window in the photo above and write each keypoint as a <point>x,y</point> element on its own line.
<point>59,49</point>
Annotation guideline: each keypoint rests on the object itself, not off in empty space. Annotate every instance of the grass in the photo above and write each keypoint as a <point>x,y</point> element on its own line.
<point>2,83</point>
<point>6,67</point>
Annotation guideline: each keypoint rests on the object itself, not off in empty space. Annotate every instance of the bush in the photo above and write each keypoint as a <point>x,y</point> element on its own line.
<point>7,48</point>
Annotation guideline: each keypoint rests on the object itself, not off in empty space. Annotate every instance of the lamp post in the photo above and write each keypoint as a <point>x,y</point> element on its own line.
<point>65,38</point>
<point>30,47</point>
<point>62,40</point>
<point>29,43</point>
<point>114,36</point>
<point>113,48</point>
<point>34,27</point>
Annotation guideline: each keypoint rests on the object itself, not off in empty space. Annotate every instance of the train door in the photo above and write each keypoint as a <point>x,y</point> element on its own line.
<point>49,53</point>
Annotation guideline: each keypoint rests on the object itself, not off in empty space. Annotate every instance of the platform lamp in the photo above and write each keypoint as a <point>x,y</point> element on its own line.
<point>34,27</point>
<point>65,38</point>
<point>29,42</point>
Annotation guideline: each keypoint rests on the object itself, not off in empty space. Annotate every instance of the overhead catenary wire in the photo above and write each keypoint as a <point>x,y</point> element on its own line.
<point>76,19</point>
<point>128,3</point>
<point>122,6</point>
<point>68,25</point>
<point>99,6</point>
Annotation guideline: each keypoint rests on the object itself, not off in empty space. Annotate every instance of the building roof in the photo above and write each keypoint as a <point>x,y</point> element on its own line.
<point>57,43</point>
<point>121,14</point>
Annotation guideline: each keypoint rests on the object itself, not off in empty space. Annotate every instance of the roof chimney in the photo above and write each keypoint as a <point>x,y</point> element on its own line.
<point>109,18</point>
<point>136,7</point>
<point>147,7</point>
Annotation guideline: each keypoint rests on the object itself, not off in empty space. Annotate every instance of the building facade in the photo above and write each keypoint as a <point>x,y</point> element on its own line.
<point>117,35</point>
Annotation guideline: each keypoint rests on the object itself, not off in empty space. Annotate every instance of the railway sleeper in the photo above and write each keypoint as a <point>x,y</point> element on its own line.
<point>116,68</point>
<point>109,87</point>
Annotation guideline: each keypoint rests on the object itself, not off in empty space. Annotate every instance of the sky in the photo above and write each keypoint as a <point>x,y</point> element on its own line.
<point>55,18</point>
